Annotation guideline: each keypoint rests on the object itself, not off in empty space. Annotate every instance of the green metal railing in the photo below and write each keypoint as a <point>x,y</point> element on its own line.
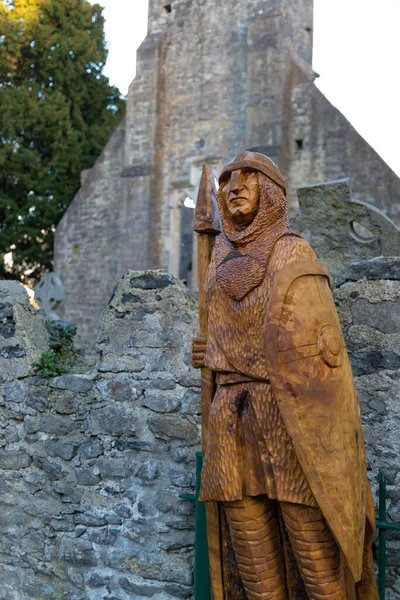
<point>382,526</point>
<point>201,564</point>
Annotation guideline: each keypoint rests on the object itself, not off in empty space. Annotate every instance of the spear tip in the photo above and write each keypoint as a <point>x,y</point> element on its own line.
<point>206,219</point>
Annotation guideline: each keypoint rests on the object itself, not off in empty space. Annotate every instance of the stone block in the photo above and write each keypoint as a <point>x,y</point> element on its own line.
<point>169,427</point>
<point>57,425</point>
<point>15,391</point>
<point>114,468</point>
<point>148,473</point>
<point>162,401</point>
<point>85,476</point>
<point>74,383</point>
<point>162,384</point>
<point>30,425</point>
<point>103,536</point>
<point>119,389</point>
<point>96,580</point>
<point>125,444</point>
<point>384,317</point>
<point>112,420</point>
<point>131,299</point>
<point>89,520</point>
<point>7,330</point>
<point>37,399</point>
<point>123,511</point>
<point>62,524</point>
<point>11,435</point>
<point>91,449</point>
<point>182,479</point>
<point>60,449</point>
<point>66,405</point>
<point>69,492</point>
<point>6,311</point>
<point>138,589</point>
<point>11,352</point>
<point>376,268</point>
<point>166,500</point>
<point>122,553</point>
<point>191,402</point>
<point>53,470</point>
<point>179,591</point>
<point>165,567</point>
<point>77,551</point>
<point>183,454</point>
<point>152,281</point>
<point>190,378</point>
<point>14,459</point>
<point>80,530</point>
<point>364,363</point>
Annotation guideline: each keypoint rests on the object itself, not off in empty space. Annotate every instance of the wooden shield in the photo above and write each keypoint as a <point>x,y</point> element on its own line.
<point>312,379</point>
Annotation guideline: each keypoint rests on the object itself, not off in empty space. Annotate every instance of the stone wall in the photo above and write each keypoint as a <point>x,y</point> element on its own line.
<point>368,303</point>
<point>22,338</point>
<point>341,229</point>
<point>93,464</point>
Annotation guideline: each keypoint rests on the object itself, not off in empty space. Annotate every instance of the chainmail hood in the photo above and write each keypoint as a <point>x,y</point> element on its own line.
<point>242,251</point>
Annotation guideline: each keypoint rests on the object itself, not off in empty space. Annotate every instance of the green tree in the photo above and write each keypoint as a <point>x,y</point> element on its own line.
<point>57,110</point>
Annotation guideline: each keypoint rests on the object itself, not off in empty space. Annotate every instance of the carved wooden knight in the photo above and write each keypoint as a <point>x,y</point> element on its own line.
<point>284,459</point>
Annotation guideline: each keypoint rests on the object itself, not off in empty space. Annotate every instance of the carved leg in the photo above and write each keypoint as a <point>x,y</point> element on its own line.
<point>316,551</point>
<point>367,588</point>
<point>256,542</point>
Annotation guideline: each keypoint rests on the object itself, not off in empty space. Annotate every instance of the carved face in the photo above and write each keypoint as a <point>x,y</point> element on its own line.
<point>241,195</point>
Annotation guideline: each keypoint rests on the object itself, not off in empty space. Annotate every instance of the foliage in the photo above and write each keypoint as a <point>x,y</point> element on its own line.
<point>61,334</point>
<point>49,365</point>
<point>61,357</point>
<point>57,111</point>
<point>68,334</point>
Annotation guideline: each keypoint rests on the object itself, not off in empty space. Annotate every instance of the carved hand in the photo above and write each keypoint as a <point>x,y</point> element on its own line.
<point>198,351</point>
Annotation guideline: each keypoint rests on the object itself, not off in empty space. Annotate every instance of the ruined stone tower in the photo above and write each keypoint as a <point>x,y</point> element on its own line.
<point>213,78</point>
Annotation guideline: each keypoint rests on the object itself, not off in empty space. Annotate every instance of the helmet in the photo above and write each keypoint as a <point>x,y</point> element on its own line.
<point>258,162</point>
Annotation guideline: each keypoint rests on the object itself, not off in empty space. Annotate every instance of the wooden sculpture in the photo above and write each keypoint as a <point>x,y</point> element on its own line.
<point>289,507</point>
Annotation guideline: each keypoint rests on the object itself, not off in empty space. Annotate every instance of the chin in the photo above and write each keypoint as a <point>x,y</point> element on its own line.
<point>239,214</point>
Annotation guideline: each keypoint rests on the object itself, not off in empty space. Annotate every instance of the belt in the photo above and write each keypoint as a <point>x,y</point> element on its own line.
<point>223,378</point>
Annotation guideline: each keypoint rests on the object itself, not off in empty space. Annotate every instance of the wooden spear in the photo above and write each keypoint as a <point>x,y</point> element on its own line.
<point>206,224</point>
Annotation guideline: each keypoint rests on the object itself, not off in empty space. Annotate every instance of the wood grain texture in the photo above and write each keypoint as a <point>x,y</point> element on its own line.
<point>282,438</point>
<point>318,402</point>
<point>206,218</point>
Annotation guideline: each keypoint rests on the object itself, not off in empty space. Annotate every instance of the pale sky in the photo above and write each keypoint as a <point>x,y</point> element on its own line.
<point>356,53</point>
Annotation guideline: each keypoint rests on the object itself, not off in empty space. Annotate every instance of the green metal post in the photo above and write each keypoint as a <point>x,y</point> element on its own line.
<point>202,585</point>
<point>382,537</point>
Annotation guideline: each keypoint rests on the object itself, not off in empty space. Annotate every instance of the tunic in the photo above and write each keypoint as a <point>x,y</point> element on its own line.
<point>248,451</point>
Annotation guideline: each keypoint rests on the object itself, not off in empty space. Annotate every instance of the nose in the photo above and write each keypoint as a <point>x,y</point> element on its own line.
<point>234,182</point>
